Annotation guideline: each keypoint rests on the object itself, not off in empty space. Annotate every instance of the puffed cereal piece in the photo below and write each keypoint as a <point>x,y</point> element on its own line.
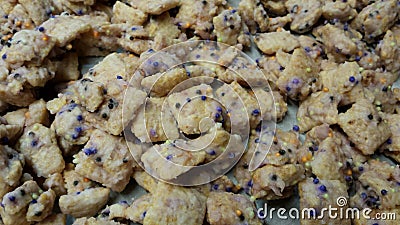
<point>227,26</point>
<point>16,117</point>
<point>59,219</point>
<point>138,209</point>
<point>154,122</point>
<point>393,143</point>
<point>11,166</point>
<point>9,131</point>
<point>229,208</point>
<point>114,212</point>
<point>389,52</point>
<point>161,84</point>
<point>319,108</point>
<point>162,160</point>
<point>192,105</point>
<point>276,23</point>
<point>364,126</point>
<point>343,79</point>
<point>27,45</point>
<point>181,206</point>
<point>18,200</point>
<point>55,182</point>
<point>37,10</point>
<point>342,10</point>
<point>42,208</point>
<point>318,195</point>
<point>297,77</point>
<point>163,30</point>
<point>305,14</point>
<point>275,6</point>
<point>146,181</point>
<point>376,18</point>
<point>87,93</point>
<point>39,146</point>
<point>105,159</point>
<point>270,181</point>
<point>154,7</point>
<point>270,43</point>
<point>379,183</point>
<point>123,13</point>
<point>273,106</point>
<point>37,113</point>
<point>74,182</point>
<point>84,204</point>
<point>94,221</point>
<point>254,14</point>
<point>67,68</point>
<point>65,28</point>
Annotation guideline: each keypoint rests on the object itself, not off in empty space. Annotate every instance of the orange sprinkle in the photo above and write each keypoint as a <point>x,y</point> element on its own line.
<point>330,134</point>
<point>360,53</point>
<point>9,36</point>
<point>378,17</point>
<point>370,59</point>
<point>27,24</point>
<point>230,8</point>
<point>304,159</point>
<point>383,80</point>
<point>325,89</point>
<point>45,38</point>
<point>277,154</point>
<point>18,23</point>
<point>270,19</point>
<point>4,38</point>
<point>68,47</point>
<point>238,212</point>
<point>318,53</point>
<point>349,172</point>
<point>95,34</point>
<point>309,156</point>
<point>131,55</point>
<point>228,114</point>
<point>272,58</point>
<point>86,179</point>
<point>279,29</point>
<point>27,115</point>
<point>275,139</point>
<point>187,25</point>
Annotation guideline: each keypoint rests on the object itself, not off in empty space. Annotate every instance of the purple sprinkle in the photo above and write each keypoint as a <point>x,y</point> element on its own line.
<point>203,98</point>
<point>228,189</point>
<point>90,151</point>
<point>188,73</point>
<point>133,28</point>
<point>41,29</point>
<point>34,201</point>
<point>257,140</point>
<point>169,157</point>
<point>281,68</point>
<point>358,58</point>
<point>4,56</point>
<point>155,64</point>
<point>5,16</point>
<point>307,49</point>
<point>233,10</point>
<point>257,61</point>
<point>153,132</point>
<point>150,50</point>
<point>250,183</point>
<point>363,195</point>
<point>322,188</point>
<point>75,136</point>
<point>123,202</point>
<point>389,141</point>
<point>215,186</point>
<point>78,192</point>
<point>144,214</point>
<point>219,109</point>
<point>288,88</point>
<point>384,192</point>
<point>79,117</point>
<point>119,77</point>
<point>360,168</point>
<point>295,81</point>
<point>188,100</point>
<point>2,205</point>
<point>348,178</point>
<point>80,12</point>
<point>296,128</point>
<point>197,56</point>
<point>11,198</point>
<point>352,79</point>
<point>34,143</point>
<point>255,112</point>
<point>346,27</point>
<point>217,115</point>
<point>231,155</point>
<point>211,152</point>
<point>78,129</point>
<point>316,181</point>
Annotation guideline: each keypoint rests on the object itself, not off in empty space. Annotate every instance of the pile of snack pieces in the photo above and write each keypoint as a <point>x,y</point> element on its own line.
<point>62,148</point>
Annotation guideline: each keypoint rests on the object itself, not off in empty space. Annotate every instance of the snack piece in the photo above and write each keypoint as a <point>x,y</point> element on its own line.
<point>181,206</point>
<point>254,15</point>
<point>9,132</point>
<point>114,212</point>
<point>161,84</point>
<point>376,18</point>
<point>74,182</point>
<point>55,182</point>
<point>37,11</point>
<point>123,13</point>
<point>154,7</point>
<point>342,10</point>
<point>298,75</point>
<point>87,93</point>
<point>229,29</point>
<point>42,207</point>
<point>229,208</point>
<point>105,159</point>
<point>389,51</point>
<point>271,42</point>
<point>37,113</point>
<point>378,186</point>
<point>364,126</point>
<point>146,181</point>
<point>39,146</point>
<point>154,122</point>
<point>393,143</point>
<point>319,108</point>
<point>269,182</point>
<point>305,14</point>
<point>137,211</point>
<point>11,166</point>
<point>64,28</point>
<point>84,204</point>
<point>59,219</point>
<point>273,106</point>
<point>317,194</point>
<point>164,31</point>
